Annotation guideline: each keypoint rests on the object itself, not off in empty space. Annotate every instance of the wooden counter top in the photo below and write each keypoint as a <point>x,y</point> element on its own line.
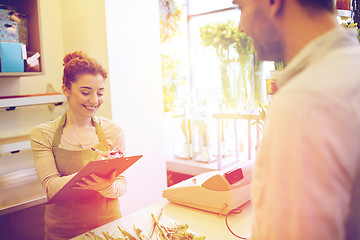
<point>200,222</point>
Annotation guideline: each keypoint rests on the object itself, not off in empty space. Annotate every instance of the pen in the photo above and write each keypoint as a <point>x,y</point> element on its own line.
<point>106,153</point>
<point>97,150</point>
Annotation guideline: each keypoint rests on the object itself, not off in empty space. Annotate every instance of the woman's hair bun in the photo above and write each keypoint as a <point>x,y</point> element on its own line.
<point>77,54</point>
<point>78,63</point>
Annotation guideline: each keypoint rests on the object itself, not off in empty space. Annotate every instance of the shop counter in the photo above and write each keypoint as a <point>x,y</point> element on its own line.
<point>201,223</point>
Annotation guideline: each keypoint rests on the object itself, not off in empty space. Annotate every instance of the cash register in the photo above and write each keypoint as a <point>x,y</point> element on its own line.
<point>214,191</point>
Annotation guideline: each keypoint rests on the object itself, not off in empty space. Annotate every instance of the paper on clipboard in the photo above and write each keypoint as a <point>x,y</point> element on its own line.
<point>99,167</point>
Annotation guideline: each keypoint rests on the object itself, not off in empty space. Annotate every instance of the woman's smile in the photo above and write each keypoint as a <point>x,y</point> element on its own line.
<point>86,95</point>
<point>91,108</point>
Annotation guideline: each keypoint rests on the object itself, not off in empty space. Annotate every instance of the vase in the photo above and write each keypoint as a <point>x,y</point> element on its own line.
<point>271,83</point>
<point>205,154</point>
<point>188,150</point>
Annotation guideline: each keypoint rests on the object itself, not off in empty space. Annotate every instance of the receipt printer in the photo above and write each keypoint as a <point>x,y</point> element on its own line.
<point>215,191</point>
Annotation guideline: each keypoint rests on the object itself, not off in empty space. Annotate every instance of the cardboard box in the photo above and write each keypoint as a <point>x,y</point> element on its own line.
<point>12,57</point>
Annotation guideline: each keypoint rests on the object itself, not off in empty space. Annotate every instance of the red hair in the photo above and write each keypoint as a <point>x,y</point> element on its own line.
<point>78,63</point>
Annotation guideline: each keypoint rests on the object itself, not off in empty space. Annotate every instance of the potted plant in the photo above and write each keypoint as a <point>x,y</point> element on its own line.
<point>271,83</point>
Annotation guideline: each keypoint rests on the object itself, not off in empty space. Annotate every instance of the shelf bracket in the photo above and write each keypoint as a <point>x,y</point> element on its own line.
<point>10,108</point>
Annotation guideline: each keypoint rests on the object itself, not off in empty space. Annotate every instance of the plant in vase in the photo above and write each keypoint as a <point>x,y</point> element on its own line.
<point>245,58</point>
<point>271,88</point>
<point>236,55</point>
<point>271,83</point>
<point>279,65</point>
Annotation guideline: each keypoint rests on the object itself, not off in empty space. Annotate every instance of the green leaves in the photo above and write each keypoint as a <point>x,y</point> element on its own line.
<point>236,54</point>
<point>170,15</point>
<point>223,36</point>
<point>173,78</point>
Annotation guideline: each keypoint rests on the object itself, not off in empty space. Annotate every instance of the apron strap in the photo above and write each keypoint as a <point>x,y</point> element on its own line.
<point>103,144</point>
<point>58,131</point>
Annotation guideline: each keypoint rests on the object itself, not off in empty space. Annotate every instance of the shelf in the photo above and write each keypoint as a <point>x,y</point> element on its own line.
<point>34,38</point>
<point>249,115</point>
<point>14,144</point>
<point>11,102</point>
<point>19,74</point>
<point>14,139</point>
<point>193,167</point>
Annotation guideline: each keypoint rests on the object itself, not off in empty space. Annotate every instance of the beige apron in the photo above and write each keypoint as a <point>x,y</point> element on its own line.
<point>68,219</point>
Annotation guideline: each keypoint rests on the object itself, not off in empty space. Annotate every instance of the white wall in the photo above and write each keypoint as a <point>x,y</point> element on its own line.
<point>84,28</point>
<point>136,95</point>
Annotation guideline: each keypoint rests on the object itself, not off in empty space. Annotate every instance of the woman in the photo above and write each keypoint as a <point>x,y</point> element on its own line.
<point>63,146</point>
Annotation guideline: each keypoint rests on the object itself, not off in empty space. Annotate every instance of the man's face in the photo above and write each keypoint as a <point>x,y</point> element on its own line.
<point>256,23</point>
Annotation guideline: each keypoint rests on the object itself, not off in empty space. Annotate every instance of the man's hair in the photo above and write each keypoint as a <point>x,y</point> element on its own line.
<point>324,4</point>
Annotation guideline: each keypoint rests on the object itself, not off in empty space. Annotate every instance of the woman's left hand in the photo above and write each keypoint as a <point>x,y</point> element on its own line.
<point>95,182</point>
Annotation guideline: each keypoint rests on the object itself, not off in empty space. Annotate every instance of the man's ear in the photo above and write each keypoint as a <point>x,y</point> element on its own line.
<point>66,91</point>
<point>275,6</point>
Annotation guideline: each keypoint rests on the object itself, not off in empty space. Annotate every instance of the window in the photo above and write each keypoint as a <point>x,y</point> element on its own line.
<point>201,77</point>
<point>205,70</point>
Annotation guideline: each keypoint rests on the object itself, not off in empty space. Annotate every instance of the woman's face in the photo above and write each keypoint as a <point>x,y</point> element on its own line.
<point>86,94</point>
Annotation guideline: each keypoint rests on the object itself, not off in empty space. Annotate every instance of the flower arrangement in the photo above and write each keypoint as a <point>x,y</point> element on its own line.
<point>237,58</point>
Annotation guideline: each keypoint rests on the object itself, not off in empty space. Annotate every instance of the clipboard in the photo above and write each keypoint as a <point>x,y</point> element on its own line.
<point>99,167</point>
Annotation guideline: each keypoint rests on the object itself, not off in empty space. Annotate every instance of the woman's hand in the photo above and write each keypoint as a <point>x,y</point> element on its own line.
<point>95,182</point>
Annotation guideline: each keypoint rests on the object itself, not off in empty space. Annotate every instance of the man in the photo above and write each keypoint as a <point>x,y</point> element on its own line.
<point>306,179</point>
